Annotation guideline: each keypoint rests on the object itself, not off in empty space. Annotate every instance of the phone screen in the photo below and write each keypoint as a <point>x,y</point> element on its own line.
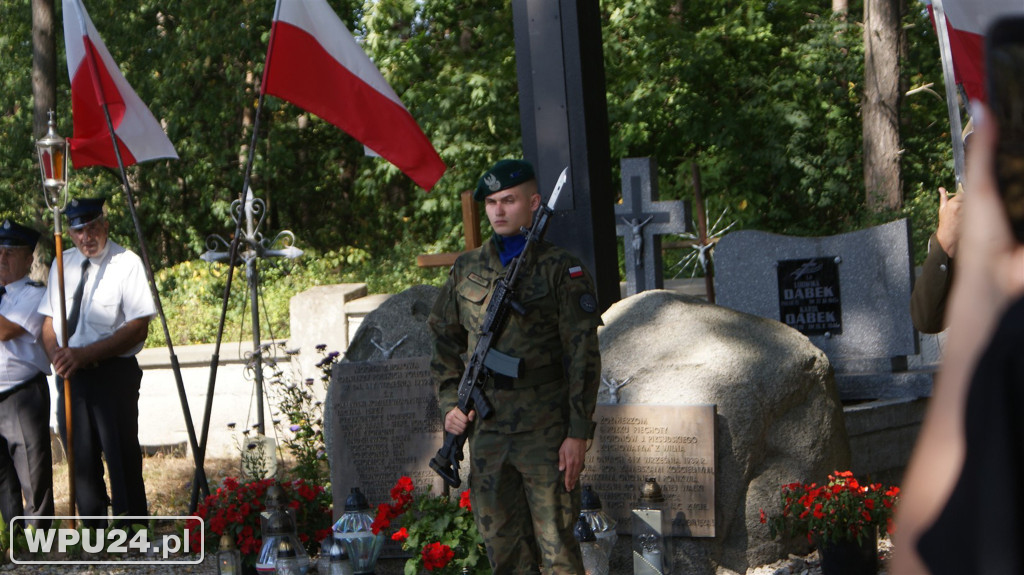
<point>1005,68</point>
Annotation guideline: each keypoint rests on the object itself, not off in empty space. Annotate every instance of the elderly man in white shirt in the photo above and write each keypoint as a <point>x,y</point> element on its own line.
<point>26,463</point>
<point>109,308</point>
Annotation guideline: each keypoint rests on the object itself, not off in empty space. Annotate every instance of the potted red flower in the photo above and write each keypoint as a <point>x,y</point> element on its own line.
<point>437,530</point>
<point>234,508</point>
<point>840,517</point>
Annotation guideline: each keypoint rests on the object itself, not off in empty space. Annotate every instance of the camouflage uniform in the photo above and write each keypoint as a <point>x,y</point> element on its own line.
<point>518,496</point>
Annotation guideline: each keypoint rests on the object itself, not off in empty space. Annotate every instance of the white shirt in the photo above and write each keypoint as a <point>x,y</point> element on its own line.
<point>22,357</point>
<point>116,292</point>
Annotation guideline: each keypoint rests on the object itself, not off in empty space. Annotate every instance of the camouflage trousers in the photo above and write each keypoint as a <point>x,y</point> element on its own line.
<point>520,504</point>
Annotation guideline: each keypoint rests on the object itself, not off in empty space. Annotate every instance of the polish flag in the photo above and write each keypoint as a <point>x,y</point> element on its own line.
<point>967,22</point>
<point>314,62</point>
<point>96,80</point>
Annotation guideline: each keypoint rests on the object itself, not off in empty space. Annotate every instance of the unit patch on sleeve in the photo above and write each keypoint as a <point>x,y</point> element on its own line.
<point>588,303</point>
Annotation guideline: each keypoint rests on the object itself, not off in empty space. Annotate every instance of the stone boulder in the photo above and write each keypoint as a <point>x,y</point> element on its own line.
<point>779,415</point>
<point>396,329</point>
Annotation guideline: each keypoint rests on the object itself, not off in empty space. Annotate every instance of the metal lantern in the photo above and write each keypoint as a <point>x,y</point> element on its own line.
<point>355,530</point>
<point>274,531</point>
<point>594,560</point>
<point>279,534</point>
<point>291,558</point>
<point>229,559</point>
<point>600,522</point>
<point>652,532</point>
<point>52,150</point>
<point>333,558</point>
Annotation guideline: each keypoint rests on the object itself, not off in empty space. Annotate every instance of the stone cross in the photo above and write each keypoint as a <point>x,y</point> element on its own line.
<point>642,220</point>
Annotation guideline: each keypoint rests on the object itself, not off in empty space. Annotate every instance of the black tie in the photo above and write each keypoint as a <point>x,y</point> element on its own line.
<point>76,302</point>
<point>3,290</point>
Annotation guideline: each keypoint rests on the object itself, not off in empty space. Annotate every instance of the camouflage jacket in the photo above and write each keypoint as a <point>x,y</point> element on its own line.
<point>556,339</point>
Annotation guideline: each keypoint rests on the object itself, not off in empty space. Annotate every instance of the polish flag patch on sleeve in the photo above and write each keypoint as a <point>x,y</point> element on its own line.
<point>576,272</point>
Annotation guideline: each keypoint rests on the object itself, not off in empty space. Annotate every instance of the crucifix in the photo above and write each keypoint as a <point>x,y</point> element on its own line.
<point>642,220</point>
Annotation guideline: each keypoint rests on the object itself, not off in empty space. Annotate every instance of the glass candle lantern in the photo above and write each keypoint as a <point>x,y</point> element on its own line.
<point>229,558</point>
<point>594,560</point>
<point>354,528</point>
<point>652,532</point>
<point>600,522</point>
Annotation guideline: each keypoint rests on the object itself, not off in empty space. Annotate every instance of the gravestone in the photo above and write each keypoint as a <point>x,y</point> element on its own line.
<point>848,293</point>
<point>391,426</point>
<point>641,220</point>
<point>674,444</point>
<point>381,419</point>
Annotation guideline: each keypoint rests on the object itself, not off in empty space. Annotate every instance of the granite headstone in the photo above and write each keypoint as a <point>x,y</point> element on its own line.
<point>848,293</point>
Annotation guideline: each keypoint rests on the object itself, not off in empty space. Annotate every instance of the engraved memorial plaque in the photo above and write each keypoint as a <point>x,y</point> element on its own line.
<point>675,444</point>
<point>809,298</point>
<point>389,425</point>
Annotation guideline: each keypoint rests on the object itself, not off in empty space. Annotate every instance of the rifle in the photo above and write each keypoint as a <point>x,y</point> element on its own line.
<point>486,360</point>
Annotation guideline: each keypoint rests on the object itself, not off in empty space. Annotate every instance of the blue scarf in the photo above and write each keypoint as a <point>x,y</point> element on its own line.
<point>509,247</point>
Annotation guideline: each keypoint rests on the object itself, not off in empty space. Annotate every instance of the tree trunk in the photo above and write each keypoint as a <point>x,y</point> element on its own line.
<point>44,65</point>
<point>880,108</point>
<point>840,6</point>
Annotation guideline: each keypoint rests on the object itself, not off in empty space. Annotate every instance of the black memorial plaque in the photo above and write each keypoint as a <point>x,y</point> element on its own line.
<point>809,299</point>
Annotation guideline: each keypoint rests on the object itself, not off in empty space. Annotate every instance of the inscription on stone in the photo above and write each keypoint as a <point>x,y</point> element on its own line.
<point>389,426</point>
<point>674,444</point>
<point>809,298</point>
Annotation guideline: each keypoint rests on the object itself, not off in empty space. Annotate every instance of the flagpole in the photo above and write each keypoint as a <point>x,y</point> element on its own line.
<point>952,97</point>
<point>232,255</point>
<point>144,252</point>
<point>69,432</point>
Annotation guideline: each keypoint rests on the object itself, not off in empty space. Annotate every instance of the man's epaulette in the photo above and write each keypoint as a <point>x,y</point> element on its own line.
<point>34,283</point>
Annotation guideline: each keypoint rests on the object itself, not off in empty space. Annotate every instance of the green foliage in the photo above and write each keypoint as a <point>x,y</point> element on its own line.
<point>192,292</point>
<point>294,398</point>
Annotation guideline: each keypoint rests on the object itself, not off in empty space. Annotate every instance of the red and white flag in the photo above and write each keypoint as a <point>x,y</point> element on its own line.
<point>314,62</point>
<point>96,80</point>
<point>967,22</point>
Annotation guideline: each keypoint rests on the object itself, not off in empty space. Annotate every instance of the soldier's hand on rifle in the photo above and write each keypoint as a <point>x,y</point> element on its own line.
<point>456,422</point>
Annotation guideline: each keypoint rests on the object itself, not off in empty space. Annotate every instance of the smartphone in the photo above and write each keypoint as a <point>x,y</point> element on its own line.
<point>1004,62</point>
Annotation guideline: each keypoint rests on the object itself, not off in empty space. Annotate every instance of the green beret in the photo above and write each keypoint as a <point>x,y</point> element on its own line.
<point>502,176</point>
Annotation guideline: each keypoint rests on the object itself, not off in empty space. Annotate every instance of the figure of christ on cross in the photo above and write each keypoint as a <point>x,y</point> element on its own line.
<point>644,221</point>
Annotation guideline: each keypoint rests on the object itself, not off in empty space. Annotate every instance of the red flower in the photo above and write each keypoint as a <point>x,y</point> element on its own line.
<point>763,518</point>
<point>464,501</point>
<point>400,535</point>
<point>436,556</point>
<point>401,488</point>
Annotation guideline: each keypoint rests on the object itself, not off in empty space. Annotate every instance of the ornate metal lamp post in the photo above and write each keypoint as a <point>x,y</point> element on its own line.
<point>252,211</point>
<point>52,150</point>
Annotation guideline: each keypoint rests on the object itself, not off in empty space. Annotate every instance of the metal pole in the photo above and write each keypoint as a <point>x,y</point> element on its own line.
<point>69,432</point>
<point>952,97</point>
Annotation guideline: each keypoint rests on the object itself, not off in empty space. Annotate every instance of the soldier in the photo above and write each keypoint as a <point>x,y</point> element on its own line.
<point>109,307</point>
<point>26,464</point>
<point>525,460</point>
